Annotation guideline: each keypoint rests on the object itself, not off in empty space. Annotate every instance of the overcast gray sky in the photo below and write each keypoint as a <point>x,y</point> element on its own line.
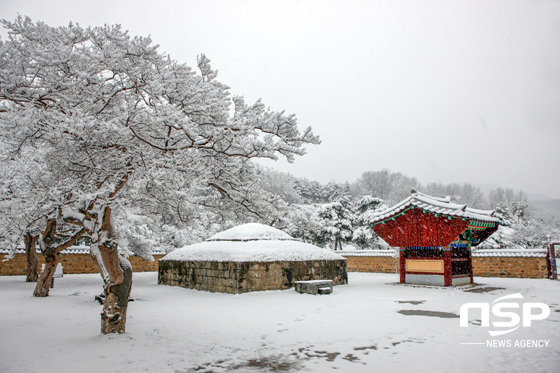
<point>446,91</point>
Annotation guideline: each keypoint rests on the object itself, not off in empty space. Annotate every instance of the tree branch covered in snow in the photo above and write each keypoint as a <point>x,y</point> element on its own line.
<point>101,105</point>
<point>106,110</point>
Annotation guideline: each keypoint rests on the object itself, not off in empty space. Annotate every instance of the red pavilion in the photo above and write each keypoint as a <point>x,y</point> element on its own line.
<point>435,238</point>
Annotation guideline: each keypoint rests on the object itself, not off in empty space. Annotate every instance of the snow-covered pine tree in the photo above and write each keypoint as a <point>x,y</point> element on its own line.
<point>302,221</point>
<point>107,106</point>
<point>337,221</point>
<point>33,192</point>
<point>520,228</point>
<point>174,210</point>
<point>280,184</point>
<point>363,235</point>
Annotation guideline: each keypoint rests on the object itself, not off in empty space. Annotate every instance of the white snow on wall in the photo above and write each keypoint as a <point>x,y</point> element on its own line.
<point>475,253</point>
<point>71,250</point>
<point>510,252</point>
<point>391,253</point>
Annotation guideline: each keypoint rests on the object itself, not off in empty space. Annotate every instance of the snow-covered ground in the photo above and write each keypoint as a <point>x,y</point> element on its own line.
<point>357,328</point>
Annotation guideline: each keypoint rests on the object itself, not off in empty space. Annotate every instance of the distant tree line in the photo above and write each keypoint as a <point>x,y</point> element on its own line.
<point>338,215</point>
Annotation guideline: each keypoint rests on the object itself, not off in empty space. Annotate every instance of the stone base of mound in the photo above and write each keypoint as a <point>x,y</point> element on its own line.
<point>243,277</point>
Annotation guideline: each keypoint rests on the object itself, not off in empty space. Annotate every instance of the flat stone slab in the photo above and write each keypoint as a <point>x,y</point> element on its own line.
<point>314,287</point>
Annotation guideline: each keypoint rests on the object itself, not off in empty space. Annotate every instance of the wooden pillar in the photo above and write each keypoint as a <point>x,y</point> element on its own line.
<point>469,257</point>
<point>447,269</point>
<point>402,264</point>
<point>551,261</point>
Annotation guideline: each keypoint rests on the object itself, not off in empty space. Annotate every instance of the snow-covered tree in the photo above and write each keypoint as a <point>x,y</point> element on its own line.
<point>177,210</point>
<point>315,192</point>
<point>280,184</point>
<point>505,197</point>
<point>363,235</point>
<point>310,191</point>
<point>337,220</point>
<point>106,107</point>
<point>31,195</point>
<point>520,229</point>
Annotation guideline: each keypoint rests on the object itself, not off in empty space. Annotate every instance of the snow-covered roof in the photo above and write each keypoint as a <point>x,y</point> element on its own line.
<point>436,205</point>
<point>251,232</point>
<point>251,242</point>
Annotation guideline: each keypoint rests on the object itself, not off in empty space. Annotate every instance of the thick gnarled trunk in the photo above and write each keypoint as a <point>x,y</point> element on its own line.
<point>32,260</point>
<point>115,306</point>
<point>45,279</point>
<point>117,276</point>
<point>51,260</point>
<point>51,252</point>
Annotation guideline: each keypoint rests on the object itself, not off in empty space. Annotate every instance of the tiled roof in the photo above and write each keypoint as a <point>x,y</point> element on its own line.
<point>442,206</point>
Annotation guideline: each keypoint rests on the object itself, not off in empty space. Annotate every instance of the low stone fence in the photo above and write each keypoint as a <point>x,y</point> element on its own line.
<point>528,263</point>
<point>382,261</point>
<point>75,259</point>
<point>524,263</point>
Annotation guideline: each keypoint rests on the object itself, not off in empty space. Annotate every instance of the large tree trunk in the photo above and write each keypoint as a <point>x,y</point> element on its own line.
<point>52,256</point>
<point>51,260</point>
<point>46,278</point>
<point>32,260</point>
<point>115,306</point>
<point>117,276</point>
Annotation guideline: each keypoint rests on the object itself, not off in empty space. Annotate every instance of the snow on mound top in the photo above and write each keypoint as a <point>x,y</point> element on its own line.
<point>251,232</point>
<point>251,243</point>
<point>252,251</point>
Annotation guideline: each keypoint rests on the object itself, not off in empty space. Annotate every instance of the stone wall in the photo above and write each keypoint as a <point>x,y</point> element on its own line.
<point>510,263</point>
<point>521,267</point>
<point>529,263</point>
<point>486,263</point>
<point>72,262</point>
<point>242,277</point>
<point>384,263</point>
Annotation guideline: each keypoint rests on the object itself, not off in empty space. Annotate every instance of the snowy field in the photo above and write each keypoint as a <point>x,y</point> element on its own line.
<point>372,324</point>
